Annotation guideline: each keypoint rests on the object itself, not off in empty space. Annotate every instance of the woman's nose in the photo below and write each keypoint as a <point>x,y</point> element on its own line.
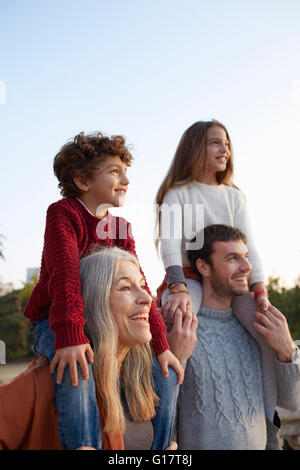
<point>144,297</point>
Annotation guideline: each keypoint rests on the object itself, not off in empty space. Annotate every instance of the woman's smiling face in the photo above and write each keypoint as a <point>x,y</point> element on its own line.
<point>130,305</point>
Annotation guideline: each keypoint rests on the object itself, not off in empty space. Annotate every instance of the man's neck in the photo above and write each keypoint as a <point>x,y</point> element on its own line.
<point>214,301</point>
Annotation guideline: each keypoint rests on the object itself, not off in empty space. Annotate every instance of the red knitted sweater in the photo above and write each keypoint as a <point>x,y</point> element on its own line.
<point>70,231</point>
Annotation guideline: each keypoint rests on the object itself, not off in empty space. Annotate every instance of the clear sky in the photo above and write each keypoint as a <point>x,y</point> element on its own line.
<point>148,70</point>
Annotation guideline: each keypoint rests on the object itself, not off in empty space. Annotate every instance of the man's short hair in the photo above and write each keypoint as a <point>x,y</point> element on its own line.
<point>211,234</point>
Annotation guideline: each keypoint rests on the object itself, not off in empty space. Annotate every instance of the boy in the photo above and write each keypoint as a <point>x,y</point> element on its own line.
<point>91,171</point>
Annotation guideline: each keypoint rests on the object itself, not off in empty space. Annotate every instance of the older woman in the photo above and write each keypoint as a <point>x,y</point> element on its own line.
<point>116,308</point>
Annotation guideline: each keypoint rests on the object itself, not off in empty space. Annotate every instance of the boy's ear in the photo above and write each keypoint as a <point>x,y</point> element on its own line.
<point>203,267</point>
<point>81,182</point>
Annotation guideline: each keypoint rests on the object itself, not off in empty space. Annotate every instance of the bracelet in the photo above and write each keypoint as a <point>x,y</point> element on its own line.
<point>261,291</point>
<point>179,292</point>
<point>176,284</point>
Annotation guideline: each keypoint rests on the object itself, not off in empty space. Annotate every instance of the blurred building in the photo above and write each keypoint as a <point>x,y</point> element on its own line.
<point>31,272</point>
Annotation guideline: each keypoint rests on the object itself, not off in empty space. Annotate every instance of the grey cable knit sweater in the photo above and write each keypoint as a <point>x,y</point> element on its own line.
<point>220,404</point>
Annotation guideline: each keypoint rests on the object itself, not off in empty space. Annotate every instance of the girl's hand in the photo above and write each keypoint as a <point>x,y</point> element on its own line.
<point>262,300</point>
<point>262,303</point>
<point>166,359</point>
<point>70,356</point>
<point>179,300</point>
<point>183,336</point>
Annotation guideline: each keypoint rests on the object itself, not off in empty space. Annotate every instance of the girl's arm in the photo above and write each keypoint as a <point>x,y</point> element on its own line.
<point>171,239</point>
<point>256,278</point>
<point>171,229</point>
<point>242,221</point>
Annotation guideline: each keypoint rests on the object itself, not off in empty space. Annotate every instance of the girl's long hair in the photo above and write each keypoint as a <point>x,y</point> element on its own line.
<point>97,274</point>
<point>190,161</point>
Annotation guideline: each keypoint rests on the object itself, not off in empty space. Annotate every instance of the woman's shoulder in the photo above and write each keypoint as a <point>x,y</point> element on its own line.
<point>28,417</point>
<point>25,384</point>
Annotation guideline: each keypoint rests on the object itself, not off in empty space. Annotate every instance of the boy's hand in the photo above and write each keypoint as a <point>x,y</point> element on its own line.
<point>173,446</point>
<point>70,356</point>
<point>166,359</point>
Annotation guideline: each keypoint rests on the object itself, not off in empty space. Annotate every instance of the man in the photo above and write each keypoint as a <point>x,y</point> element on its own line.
<point>220,404</point>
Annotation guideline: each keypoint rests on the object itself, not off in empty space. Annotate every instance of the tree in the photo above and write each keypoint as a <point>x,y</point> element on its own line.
<point>288,302</point>
<point>14,327</point>
<point>5,288</point>
<point>1,249</point>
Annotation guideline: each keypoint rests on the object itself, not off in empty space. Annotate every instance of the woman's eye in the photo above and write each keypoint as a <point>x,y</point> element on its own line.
<point>115,171</point>
<point>125,288</point>
<point>144,287</point>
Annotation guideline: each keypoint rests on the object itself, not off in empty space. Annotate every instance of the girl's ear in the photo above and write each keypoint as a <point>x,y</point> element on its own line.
<point>203,267</point>
<point>81,182</point>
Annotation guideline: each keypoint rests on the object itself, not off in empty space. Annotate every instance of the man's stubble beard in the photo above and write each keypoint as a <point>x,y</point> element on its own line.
<point>224,289</point>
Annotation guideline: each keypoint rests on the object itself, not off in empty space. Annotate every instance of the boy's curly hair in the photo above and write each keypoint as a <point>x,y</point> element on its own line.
<point>83,155</point>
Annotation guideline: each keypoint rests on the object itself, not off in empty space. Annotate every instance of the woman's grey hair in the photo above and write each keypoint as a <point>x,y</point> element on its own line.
<point>97,271</point>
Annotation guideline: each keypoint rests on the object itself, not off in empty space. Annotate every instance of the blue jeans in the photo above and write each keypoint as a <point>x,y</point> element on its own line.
<point>167,390</point>
<point>78,418</point>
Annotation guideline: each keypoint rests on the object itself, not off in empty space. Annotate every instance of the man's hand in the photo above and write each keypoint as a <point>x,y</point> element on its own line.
<point>183,335</point>
<point>273,326</point>
<point>70,356</point>
<point>167,359</point>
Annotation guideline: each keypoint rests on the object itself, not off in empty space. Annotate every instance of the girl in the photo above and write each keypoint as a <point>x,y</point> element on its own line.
<point>199,187</point>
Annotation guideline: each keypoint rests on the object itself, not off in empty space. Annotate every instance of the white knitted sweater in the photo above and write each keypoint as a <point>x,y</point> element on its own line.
<point>222,205</point>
